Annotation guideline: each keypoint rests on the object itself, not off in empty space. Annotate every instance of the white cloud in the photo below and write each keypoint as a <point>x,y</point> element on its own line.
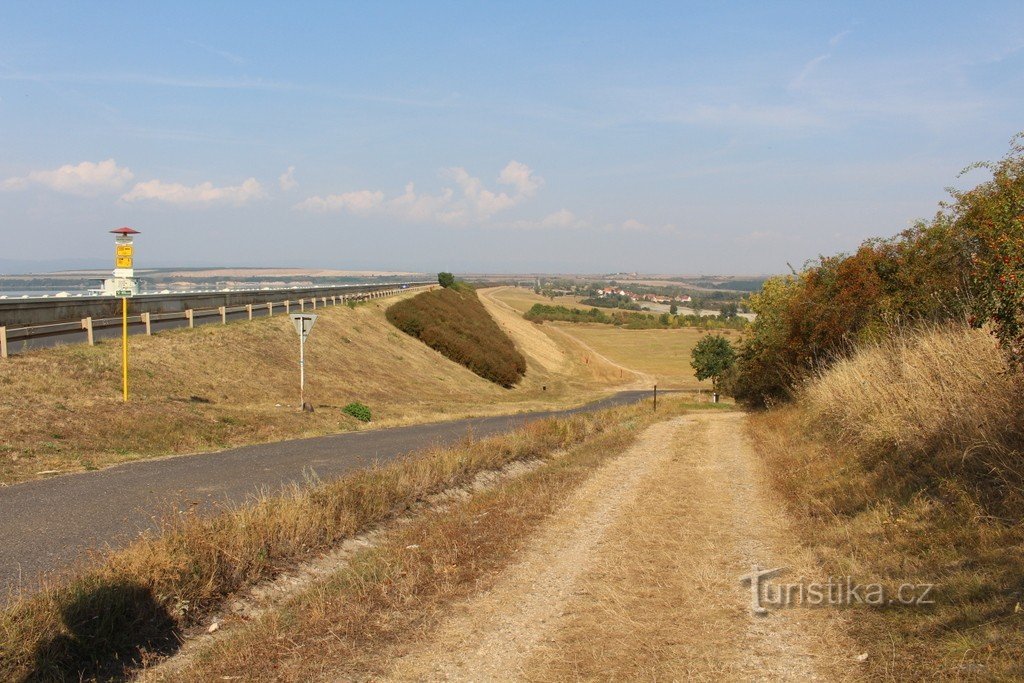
<point>196,195</point>
<point>633,225</point>
<point>521,177</point>
<point>85,179</point>
<point>563,219</point>
<point>360,201</point>
<point>468,202</point>
<point>287,179</point>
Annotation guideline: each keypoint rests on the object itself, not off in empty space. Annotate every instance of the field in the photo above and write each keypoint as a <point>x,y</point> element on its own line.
<point>523,299</point>
<point>663,355</point>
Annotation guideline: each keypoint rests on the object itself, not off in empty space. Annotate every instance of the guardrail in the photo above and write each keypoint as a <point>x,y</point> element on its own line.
<point>88,326</point>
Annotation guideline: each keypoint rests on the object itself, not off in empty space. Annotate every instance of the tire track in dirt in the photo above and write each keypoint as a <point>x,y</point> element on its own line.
<point>639,577</point>
<point>491,636</point>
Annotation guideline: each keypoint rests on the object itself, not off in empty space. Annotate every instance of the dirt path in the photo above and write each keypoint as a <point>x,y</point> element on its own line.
<point>639,578</point>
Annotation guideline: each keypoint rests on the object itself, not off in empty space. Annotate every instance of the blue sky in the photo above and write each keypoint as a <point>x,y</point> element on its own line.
<point>574,137</point>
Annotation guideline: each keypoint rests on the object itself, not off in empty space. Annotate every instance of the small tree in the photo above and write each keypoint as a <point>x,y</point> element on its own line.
<point>445,279</point>
<point>712,357</point>
<point>673,309</point>
<point>728,311</point>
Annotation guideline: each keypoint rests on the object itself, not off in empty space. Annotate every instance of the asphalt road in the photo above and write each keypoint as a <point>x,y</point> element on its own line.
<point>49,524</point>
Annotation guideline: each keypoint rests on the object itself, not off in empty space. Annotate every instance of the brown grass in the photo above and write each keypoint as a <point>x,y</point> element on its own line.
<point>663,354</point>
<point>905,464</point>
<point>130,606</point>
<point>523,299</point>
<point>221,386</point>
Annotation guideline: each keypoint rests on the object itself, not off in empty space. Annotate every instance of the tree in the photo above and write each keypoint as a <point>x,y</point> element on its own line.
<point>991,216</point>
<point>446,280</point>
<point>712,357</point>
<point>673,309</point>
<point>728,310</point>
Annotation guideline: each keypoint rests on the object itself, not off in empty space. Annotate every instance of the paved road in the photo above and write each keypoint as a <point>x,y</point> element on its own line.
<point>48,524</point>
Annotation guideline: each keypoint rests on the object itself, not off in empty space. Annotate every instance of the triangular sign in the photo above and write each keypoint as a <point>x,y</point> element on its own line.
<point>303,323</point>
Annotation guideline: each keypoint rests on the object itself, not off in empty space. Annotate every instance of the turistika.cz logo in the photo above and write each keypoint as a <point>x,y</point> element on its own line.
<point>841,591</point>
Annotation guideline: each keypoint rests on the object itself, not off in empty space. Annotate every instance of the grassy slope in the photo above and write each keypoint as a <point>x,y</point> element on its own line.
<point>904,463</point>
<point>455,323</point>
<point>60,409</point>
<point>664,354</point>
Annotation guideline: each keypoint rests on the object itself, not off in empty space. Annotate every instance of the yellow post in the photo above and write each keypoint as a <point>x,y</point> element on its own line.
<point>124,348</point>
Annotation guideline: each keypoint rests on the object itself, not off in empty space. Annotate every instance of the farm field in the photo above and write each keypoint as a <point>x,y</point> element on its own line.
<point>523,299</point>
<point>662,354</point>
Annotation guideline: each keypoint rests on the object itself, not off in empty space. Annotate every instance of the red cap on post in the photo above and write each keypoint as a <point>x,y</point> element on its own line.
<point>125,231</point>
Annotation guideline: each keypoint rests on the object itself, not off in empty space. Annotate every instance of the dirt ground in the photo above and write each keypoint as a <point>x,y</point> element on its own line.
<point>639,578</point>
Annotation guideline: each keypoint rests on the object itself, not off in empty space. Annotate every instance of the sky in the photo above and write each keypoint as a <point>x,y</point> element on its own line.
<point>590,137</point>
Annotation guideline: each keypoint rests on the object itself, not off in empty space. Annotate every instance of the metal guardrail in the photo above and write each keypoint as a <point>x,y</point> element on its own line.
<point>88,325</point>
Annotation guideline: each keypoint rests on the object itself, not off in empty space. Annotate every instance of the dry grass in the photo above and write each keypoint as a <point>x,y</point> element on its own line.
<point>523,299</point>
<point>221,386</point>
<point>663,354</point>
<point>905,463</point>
<point>130,606</point>
<point>555,362</point>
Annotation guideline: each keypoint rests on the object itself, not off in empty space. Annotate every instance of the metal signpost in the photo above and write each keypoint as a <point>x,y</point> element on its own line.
<point>303,324</point>
<point>125,286</point>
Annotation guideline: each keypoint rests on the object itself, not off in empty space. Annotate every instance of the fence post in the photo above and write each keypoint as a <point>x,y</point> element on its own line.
<point>302,305</point>
<point>223,314</point>
<point>87,326</point>
<point>270,309</point>
<point>287,306</point>
<point>314,302</point>
<point>248,309</point>
<point>3,341</point>
<point>188,317</point>
<point>334,300</point>
<point>149,325</point>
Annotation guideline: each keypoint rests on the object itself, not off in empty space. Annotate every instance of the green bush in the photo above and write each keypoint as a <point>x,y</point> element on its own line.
<point>455,323</point>
<point>357,410</point>
<point>445,279</point>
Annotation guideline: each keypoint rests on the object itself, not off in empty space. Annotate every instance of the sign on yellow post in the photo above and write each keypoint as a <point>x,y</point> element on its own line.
<point>123,256</point>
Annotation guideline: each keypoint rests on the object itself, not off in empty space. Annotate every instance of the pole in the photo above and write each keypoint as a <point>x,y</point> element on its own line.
<point>655,397</point>
<point>302,372</point>
<point>124,348</point>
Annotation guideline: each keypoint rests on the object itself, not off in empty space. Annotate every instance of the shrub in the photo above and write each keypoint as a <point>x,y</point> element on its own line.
<point>711,358</point>
<point>990,219</point>
<point>455,323</point>
<point>445,279</point>
<point>357,410</point>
